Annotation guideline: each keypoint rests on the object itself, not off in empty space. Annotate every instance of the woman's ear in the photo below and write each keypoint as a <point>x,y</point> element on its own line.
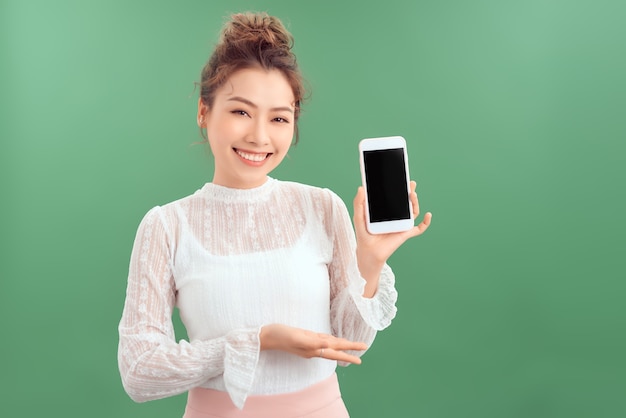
<point>202,112</point>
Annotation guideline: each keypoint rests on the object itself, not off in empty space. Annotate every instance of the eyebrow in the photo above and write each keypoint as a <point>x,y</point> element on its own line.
<point>249,103</point>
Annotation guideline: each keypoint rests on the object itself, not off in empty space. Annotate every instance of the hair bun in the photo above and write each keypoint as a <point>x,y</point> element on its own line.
<point>257,28</point>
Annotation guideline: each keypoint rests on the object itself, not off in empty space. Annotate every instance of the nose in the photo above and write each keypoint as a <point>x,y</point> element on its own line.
<point>259,134</point>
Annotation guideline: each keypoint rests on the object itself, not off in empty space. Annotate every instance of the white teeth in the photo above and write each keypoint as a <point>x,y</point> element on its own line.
<point>251,157</point>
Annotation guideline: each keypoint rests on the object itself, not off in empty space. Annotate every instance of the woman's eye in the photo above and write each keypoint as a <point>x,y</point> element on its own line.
<point>240,112</point>
<point>281,120</point>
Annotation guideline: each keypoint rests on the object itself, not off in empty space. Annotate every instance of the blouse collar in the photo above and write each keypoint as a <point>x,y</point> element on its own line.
<point>214,191</point>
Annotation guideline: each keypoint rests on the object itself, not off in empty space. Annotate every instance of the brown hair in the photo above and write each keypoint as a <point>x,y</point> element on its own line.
<point>251,40</point>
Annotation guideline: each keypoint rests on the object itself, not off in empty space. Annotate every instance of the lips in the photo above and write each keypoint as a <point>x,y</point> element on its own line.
<point>252,156</point>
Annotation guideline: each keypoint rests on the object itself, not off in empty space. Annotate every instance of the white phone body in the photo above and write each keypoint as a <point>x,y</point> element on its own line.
<point>385,177</point>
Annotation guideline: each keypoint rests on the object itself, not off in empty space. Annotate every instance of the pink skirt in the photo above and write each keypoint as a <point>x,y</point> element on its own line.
<point>321,400</point>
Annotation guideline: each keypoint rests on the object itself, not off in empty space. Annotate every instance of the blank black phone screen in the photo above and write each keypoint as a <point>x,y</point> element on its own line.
<point>385,175</point>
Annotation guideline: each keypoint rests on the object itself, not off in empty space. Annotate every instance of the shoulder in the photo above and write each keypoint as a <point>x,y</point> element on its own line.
<point>309,192</point>
<point>321,200</point>
<point>169,214</point>
<point>183,201</point>
<point>306,189</point>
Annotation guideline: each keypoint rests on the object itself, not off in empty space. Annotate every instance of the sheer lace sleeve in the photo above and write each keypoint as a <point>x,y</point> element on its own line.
<point>152,364</point>
<point>353,316</point>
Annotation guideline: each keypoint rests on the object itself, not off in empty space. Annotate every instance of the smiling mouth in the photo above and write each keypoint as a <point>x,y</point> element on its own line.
<point>254,157</point>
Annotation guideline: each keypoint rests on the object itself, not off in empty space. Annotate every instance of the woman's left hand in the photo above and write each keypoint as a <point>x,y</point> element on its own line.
<point>373,250</point>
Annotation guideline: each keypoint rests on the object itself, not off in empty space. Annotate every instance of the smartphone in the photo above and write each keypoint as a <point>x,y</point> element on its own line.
<point>385,177</point>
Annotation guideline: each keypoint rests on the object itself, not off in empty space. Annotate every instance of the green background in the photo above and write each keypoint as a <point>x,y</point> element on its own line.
<point>511,305</point>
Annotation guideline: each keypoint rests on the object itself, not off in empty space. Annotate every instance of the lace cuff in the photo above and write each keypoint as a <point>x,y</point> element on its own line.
<point>379,310</point>
<point>240,360</point>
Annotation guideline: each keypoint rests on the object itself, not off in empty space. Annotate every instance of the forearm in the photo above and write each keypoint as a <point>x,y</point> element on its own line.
<point>359,318</point>
<point>153,367</point>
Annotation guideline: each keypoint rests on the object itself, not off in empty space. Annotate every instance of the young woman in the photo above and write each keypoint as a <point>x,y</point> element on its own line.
<point>272,286</point>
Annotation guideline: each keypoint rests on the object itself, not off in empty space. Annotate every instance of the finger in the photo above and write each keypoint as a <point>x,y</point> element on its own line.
<point>349,345</point>
<point>414,201</point>
<point>331,354</point>
<point>338,343</point>
<point>423,226</point>
<point>416,205</point>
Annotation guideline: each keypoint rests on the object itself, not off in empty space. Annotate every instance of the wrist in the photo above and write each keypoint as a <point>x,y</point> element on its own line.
<point>369,266</point>
<point>370,270</point>
<point>265,338</point>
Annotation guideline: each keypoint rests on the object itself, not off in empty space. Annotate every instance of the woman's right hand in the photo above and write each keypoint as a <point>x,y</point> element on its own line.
<point>309,344</point>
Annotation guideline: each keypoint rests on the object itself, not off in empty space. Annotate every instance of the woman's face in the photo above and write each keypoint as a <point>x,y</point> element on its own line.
<point>249,127</point>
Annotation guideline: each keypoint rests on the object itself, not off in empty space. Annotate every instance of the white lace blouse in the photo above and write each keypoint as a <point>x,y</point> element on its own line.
<point>233,260</point>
